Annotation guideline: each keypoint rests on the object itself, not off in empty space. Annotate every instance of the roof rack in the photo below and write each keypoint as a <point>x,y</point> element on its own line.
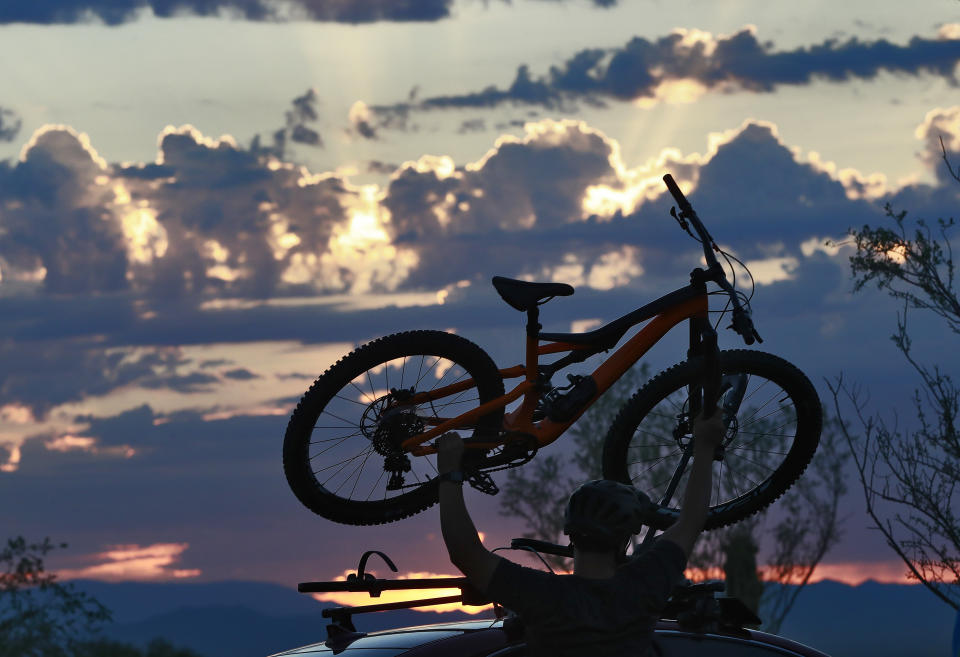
<point>341,630</point>
<point>698,606</point>
<point>694,605</point>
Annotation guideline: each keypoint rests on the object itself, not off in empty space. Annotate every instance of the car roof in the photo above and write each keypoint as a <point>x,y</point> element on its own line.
<point>399,641</point>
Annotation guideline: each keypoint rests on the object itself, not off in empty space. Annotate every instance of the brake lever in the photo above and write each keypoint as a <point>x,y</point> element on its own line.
<point>680,219</point>
<point>743,325</point>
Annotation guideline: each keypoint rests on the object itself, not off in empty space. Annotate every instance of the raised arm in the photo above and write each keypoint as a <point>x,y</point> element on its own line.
<point>707,434</point>
<point>459,533</point>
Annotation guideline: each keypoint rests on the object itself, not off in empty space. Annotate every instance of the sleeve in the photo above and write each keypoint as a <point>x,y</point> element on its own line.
<point>658,570</point>
<point>523,590</point>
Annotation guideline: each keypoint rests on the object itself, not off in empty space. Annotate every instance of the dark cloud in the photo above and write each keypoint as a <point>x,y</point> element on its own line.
<point>303,110</point>
<point>45,374</point>
<point>9,124</point>
<point>233,220</point>
<point>185,383</point>
<point>218,223</point>
<point>134,426</point>
<point>376,166</point>
<point>238,229</point>
<point>214,362</point>
<point>472,125</point>
<point>727,63</point>
<point>362,121</point>
<point>241,374</point>
<point>538,180</point>
<point>115,12</point>
<point>56,216</point>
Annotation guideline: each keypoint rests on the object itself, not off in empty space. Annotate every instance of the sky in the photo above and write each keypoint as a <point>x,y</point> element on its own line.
<point>204,204</point>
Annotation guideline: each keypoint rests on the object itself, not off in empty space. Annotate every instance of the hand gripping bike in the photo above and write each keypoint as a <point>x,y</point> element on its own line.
<point>358,448</point>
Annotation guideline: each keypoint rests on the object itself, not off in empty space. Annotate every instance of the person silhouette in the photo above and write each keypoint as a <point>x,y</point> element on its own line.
<point>610,604</point>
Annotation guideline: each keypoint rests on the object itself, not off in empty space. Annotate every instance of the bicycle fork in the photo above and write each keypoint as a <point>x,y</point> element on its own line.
<point>705,393</point>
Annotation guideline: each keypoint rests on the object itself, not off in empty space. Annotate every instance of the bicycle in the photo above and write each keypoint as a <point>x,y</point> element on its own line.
<point>457,386</point>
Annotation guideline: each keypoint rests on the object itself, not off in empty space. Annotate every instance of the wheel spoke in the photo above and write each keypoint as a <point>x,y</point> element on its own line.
<point>340,418</point>
<point>365,395</point>
<point>755,483</point>
<point>373,388</point>
<point>654,463</point>
<point>375,484</point>
<point>354,401</point>
<point>333,465</point>
<point>337,490</point>
<point>756,410</point>
<point>430,369</point>
<point>341,438</point>
<point>357,481</point>
<point>328,448</point>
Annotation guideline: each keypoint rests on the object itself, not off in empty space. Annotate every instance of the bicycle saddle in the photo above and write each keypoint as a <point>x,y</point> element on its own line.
<point>524,295</point>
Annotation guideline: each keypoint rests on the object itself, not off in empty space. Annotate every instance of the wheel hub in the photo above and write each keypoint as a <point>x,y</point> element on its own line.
<point>683,431</point>
<point>386,423</point>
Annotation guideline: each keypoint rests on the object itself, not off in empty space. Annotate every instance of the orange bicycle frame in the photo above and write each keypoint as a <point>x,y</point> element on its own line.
<point>688,303</point>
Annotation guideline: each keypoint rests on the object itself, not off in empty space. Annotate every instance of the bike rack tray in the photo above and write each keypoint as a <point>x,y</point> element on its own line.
<point>362,582</point>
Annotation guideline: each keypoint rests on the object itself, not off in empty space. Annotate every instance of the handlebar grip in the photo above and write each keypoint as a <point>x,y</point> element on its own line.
<point>675,192</point>
<point>543,546</point>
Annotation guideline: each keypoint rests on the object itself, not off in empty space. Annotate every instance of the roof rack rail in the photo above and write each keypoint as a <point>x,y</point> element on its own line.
<point>342,629</point>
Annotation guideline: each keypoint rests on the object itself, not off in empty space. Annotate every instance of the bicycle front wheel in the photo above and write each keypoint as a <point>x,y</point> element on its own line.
<point>773,417</point>
<point>341,452</point>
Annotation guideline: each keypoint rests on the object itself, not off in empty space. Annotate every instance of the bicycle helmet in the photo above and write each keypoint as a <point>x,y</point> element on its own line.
<point>605,513</point>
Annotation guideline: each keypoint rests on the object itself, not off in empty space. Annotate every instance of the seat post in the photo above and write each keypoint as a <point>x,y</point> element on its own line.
<point>533,325</point>
<point>533,333</point>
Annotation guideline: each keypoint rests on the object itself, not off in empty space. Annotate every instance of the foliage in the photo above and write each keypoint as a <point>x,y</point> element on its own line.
<point>909,476</point>
<point>38,615</point>
<point>41,617</point>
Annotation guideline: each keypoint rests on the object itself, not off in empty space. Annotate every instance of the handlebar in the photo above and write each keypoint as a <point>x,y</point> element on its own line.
<point>688,213</point>
<point>742,323</point>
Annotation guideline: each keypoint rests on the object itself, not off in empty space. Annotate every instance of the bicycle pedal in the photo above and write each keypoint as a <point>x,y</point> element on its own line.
<point>483,483</point>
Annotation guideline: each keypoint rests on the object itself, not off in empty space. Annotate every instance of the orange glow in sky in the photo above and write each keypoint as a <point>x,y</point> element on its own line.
<point>851,573</point>
<point>133,562</point>
<point>353,599</point>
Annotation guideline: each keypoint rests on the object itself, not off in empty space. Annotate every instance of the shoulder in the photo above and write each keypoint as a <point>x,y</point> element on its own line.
<point>510,580</point>
<point>510,573</point>
<point>664,554</point>
<point>527,591</point>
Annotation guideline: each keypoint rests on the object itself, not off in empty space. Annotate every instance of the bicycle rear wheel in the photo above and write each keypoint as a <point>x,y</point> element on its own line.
<point>774,421</point>
<point>341,452</point>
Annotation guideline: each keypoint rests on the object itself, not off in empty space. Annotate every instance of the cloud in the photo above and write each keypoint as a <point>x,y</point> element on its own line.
<point>115,12</point>
<point>303,110</point>
<point>241,374</point>
<point>362,121</point>
<point>685,64</point>
<point>121,563</point>
<point>213,239</point>
<point>9,124</point>
<point>58,222</point>
<point>940,126</point>
<point>39,375</point>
